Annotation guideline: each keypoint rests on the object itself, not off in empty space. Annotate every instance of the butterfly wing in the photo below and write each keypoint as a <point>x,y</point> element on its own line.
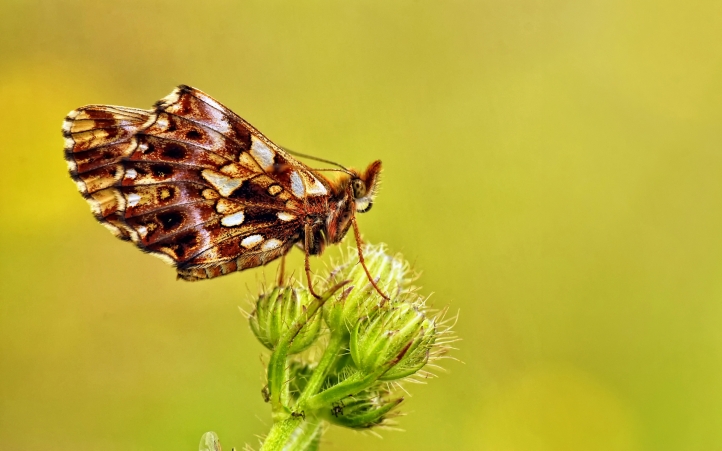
<point>191,182</point>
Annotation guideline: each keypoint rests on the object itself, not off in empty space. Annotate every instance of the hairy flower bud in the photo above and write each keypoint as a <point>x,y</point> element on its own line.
<point>372,343</point>
<point>363,411</point>
<point>399,337</point>
<point>359,298</point>
<point>276,311</point>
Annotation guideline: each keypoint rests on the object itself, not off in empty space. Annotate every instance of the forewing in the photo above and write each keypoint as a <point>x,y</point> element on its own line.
<point>190,182</point>
<point>293,176</point>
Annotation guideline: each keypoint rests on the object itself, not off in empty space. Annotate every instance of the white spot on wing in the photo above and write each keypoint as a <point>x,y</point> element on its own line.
<point>271,244</point>
<point>162,122</point>
<point>314,187</point>
<point>222,206</point>
<point>133,199</point>
<point>233,220</point>
<point>297,185</point>
<point>251,241</point>
<point>224,185</point>
<point>131,173</point>
<point>142,231</point>
<point>283,216</point>
<point>261,152</point>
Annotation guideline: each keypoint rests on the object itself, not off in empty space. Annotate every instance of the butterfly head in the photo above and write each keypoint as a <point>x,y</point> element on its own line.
<point>353,193</point>
<point>364,186</point>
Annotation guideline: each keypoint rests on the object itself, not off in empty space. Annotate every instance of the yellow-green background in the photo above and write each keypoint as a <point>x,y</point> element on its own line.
<point>553,167</point>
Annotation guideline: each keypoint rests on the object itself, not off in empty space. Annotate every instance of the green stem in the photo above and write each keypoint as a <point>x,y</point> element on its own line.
<point>351,385</point>
<point>277,373</point>
<point>277,366</point>
<point>306,436</point>
<point>329,356</point>
<point>280,434</point>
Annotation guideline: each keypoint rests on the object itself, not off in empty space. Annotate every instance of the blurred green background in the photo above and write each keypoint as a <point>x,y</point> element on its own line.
<point>553,167</point>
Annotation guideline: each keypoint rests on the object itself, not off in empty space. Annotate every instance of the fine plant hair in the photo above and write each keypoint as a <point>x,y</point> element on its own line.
<point>343,359</point>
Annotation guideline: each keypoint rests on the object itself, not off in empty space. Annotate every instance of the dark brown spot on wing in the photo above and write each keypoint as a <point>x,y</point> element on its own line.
<point>170,220</point>
<point>174,151</point>
<point>183,244</point>
<point>141,173</point>
<point>161,171</point>
<point>101,156</point>
<point>207,128</point>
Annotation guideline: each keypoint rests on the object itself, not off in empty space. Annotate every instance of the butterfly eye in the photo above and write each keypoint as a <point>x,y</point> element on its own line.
<point>359,189</point>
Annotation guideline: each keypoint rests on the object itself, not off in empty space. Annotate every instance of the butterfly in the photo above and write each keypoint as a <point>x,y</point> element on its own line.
<point>193,183</point>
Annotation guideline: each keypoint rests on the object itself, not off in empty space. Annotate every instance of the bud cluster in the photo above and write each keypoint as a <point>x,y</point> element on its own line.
<point>366,346</point>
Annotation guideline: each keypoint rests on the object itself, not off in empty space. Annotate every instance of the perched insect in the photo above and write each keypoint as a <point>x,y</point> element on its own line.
<point>194,184</point>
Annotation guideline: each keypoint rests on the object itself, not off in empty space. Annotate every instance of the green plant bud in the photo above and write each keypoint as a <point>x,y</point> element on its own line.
<point>276,311</point>
<point>362,412</point>
<point>359,298</point>
<point>399,337</point>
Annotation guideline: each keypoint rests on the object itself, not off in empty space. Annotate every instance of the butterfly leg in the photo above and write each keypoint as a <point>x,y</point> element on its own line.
<point>282,271</point>
<point>361,260</point>
<point>308,234</point>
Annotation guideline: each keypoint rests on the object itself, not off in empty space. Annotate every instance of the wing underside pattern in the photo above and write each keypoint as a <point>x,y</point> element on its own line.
<point>191,183</point>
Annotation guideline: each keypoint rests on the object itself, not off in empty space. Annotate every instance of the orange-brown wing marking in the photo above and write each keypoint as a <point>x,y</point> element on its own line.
<point>293,176</point>
<point>185,182</point>
<point>97,139</point>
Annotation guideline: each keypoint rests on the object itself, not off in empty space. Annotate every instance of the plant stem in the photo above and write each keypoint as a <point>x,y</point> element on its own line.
<point>277,379</point>
<point>277,366</point>
<point>280,433</point>
<point>329,356</point>
<point>353,384</point>
<point>306,436</point>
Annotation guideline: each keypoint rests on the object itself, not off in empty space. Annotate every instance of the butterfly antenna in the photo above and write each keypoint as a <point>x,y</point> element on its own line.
<point>311,157</point>
<point>332,170</point>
